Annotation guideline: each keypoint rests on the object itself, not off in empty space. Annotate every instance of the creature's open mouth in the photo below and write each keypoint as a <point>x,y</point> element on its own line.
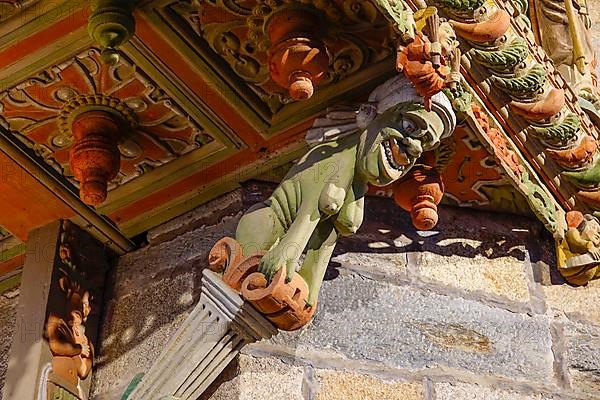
<point>395,155</point>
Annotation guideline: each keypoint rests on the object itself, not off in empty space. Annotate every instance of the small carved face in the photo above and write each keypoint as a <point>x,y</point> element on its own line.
<point>447,38</point>
<point>395,140</point>
<point>590,230</point>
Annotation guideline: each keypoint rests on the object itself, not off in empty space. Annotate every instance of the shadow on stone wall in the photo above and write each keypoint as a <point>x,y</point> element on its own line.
<point>153,289</point>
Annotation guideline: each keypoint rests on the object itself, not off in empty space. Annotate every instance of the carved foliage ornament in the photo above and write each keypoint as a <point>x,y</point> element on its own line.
<point>152,130</point>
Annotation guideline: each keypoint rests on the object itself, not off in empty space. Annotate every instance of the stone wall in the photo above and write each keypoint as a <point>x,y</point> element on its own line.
<point>472,310</point>
<point>8,311</point>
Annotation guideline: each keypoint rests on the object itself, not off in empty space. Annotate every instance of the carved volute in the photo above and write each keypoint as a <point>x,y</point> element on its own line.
<point>95,157</point>
<point>298,59</point>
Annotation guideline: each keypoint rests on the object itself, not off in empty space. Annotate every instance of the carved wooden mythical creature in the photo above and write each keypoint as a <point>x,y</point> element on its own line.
<point>285,243</point>
<point>579,252</point>
<point>72,351</point>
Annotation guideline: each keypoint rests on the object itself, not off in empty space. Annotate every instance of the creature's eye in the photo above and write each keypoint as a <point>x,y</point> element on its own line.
<point>409,126</point>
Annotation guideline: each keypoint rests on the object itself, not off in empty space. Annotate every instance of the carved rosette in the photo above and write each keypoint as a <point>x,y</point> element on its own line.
<point>152,129</point>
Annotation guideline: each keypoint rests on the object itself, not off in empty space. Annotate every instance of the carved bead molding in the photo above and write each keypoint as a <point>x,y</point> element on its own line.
<point>348,36</point>
<point>207,341</point>
<point>130,117</point>
<point>111,24</point>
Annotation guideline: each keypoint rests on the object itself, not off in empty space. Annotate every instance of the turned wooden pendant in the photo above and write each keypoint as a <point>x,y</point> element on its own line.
<point>420,194</point>
<point>95,155</point>
<point>298,59</point>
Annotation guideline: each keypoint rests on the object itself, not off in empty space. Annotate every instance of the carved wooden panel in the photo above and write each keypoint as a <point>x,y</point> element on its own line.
<point>64,278</point>
<point>355,33</point>
<point>37,112</point>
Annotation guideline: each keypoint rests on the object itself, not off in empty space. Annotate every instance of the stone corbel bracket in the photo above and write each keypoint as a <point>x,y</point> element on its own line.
<point>111,25</point>
<point>220,325</point>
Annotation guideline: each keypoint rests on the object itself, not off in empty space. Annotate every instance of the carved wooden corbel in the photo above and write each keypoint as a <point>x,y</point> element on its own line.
<point>63,277</point>
<point>278,258</point>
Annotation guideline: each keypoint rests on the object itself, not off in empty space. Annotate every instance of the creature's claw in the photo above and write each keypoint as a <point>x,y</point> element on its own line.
<point>269,265</point>
<point>291,270</point>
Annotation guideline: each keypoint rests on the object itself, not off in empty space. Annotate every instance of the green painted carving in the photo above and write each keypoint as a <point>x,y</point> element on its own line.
<point>62,394</point>
<point>540,202</point>
<point>132,385</point>
<point>322,197</point>
<point>463,9</point>
<point>111,25</point>
<point>396,12</point>
<point>560,134</point>
<point>505,59</point>
<point>589,178</point>
<point>460,98</point>
<point>523,87</point>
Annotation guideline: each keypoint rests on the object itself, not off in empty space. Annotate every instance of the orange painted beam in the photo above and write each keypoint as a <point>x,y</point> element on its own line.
<point>25,204</point>
<point>204,177</point>
<point>210,94</point>
<point>72,21</point>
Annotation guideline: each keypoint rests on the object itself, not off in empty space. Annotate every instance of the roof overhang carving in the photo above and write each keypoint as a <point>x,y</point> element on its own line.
<point>209,94</point>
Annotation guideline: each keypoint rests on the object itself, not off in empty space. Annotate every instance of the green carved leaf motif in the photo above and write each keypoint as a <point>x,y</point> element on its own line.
<point>523,87</point>
<point>503,60</point>
<point>560,134</point>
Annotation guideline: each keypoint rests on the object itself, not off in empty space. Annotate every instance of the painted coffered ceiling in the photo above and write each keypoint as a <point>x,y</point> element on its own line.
<point>205,115</point>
